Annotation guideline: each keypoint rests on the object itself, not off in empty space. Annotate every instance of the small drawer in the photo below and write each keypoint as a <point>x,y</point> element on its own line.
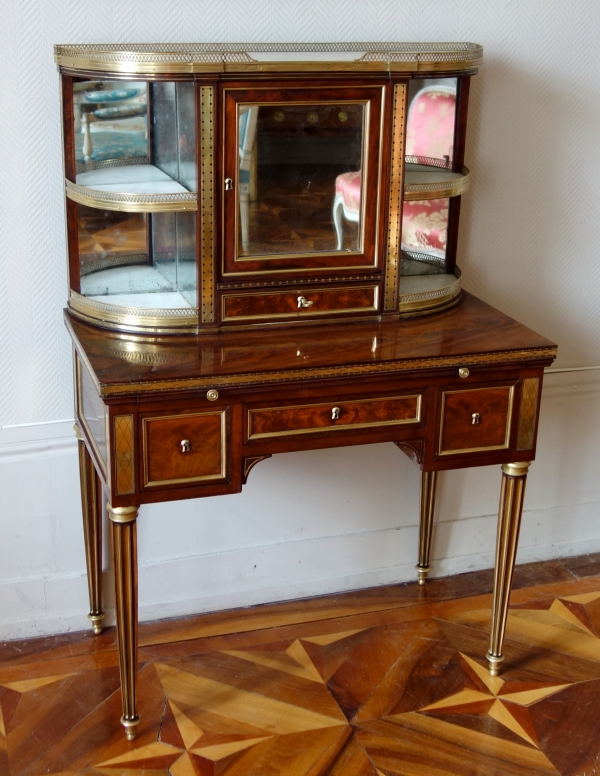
<point>333,416</point>
<point>476,419</point>
<point>180,449</point>
<point>299,303</point>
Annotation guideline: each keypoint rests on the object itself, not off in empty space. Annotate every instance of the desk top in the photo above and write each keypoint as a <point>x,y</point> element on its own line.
<point>470,334</point>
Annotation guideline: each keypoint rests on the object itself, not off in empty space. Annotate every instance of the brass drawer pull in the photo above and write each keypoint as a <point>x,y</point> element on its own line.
<point>475,418</point>
<point>303,302</point>
<point>463,372</point>
<point>335,413</point>
<point>212,394</point>
<point>185,445</point>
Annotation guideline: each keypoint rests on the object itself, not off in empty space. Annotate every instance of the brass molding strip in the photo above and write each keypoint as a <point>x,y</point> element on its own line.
<point>390,299</point>
<point>155,58</point>
<point>323,373</point>
<point>131,203</point>
<point>207,202</point>
<point>454,187</point>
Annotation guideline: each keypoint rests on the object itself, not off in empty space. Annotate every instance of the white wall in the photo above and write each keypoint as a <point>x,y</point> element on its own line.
<point>528,245</point>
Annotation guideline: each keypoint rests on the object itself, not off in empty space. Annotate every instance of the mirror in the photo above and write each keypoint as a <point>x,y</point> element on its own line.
<point>300,178</point>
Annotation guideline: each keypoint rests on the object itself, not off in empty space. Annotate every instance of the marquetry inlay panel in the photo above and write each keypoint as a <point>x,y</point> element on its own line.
<point>528,413</point>
<point>124,454</point>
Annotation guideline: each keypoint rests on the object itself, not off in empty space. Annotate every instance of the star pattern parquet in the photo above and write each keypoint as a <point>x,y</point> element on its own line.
<point>397,688</point>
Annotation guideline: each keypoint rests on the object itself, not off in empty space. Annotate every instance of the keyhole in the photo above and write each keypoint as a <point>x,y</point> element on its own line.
<point>335,413</point>
<point>475,419</point>
<point>185,445</point>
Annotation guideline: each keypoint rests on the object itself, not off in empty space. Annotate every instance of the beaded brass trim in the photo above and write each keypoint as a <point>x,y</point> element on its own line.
<point>207,203</point>
<point>390,299</point>
<point>124,454</point>
<point>528,413</point>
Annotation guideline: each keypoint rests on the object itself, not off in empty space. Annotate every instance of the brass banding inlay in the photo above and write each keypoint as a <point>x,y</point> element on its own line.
<point>395,201</point>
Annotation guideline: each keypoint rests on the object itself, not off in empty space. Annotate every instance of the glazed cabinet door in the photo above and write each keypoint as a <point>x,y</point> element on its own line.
<point>302,178</point>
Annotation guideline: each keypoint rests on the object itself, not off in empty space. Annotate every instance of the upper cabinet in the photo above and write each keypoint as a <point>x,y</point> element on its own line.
<point>214,186</point>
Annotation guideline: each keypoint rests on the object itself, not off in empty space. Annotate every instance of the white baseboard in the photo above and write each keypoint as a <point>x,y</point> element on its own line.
<point>307,523</point>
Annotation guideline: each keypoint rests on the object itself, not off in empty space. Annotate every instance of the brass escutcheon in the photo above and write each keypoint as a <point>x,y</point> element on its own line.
<point>303,302</point>
<point>335,413</point>
<point>475,418</point>
<point>185,445</point>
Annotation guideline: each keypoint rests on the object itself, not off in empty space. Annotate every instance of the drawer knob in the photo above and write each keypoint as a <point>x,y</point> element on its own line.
<point>463,372</point>
<point>335,413</point>
<point>303,302</point>
<point>212,395</point>
<point>475,418</point>
<point>185,445</point>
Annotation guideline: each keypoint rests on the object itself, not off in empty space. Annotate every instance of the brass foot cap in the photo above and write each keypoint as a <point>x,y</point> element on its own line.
<point>494,662</point>
<point>130,726</point>
<point>422,571</point>
<point>96,620</point>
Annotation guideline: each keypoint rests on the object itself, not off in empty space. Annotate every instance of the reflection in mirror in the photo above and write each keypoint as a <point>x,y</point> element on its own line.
<point>430,123</point>
<point>300,178</point>
<point>138,259</point>
<point>116,150</point>
<point>424,236</point>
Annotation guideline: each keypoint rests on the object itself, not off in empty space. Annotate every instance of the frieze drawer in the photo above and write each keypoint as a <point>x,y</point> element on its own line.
<point>281,421</point>
<point>306,302</point>
<point>184,449</point>
<point>475,419</point>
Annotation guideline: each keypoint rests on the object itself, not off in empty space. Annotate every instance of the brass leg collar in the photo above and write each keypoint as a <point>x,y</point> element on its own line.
<point>516,469</point>
<point>130,726</point>
<point>96,620</point>
<point>122,514</point>
<point>78,433</point>
<point>494,662</point>
<point>422,571</point>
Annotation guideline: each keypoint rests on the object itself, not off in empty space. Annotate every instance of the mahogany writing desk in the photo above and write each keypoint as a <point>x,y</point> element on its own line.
<point>168,418</point>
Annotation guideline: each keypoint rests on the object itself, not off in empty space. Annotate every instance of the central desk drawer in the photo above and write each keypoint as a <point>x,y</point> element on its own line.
<point>288,420</point>
<point>299,303</point>
<point>182,449</point>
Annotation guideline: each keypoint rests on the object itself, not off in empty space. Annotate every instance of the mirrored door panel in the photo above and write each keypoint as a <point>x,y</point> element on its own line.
<point>302,174</point>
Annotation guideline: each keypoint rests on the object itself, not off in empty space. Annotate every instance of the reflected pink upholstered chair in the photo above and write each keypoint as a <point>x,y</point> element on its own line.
<point>429,141</point>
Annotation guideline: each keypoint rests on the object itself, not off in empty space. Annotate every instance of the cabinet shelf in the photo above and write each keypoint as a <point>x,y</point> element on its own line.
<point>423,182</point>
<point>144,189</point>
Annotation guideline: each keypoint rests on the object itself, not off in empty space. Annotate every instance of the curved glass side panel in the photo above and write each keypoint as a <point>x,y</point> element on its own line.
<point>300,178</point>
<point>134,137</point>
<point>138,260</point>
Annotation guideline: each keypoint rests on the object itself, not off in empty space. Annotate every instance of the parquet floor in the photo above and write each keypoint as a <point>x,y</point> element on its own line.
<point>385,682</point>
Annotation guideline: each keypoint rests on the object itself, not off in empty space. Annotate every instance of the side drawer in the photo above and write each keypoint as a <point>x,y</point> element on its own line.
<point>184,449</point>
<point>299,303</point>
<point>334,416</point>
<point>475,419</point>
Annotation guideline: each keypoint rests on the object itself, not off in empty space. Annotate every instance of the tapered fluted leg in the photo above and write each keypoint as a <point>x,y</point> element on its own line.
<point>514,477</point>
<point>123,522</point>
<point>92,508</point>
<point>428,486</point>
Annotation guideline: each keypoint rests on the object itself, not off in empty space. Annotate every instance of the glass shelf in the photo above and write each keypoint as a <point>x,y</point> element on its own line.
<point>134,197</point>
